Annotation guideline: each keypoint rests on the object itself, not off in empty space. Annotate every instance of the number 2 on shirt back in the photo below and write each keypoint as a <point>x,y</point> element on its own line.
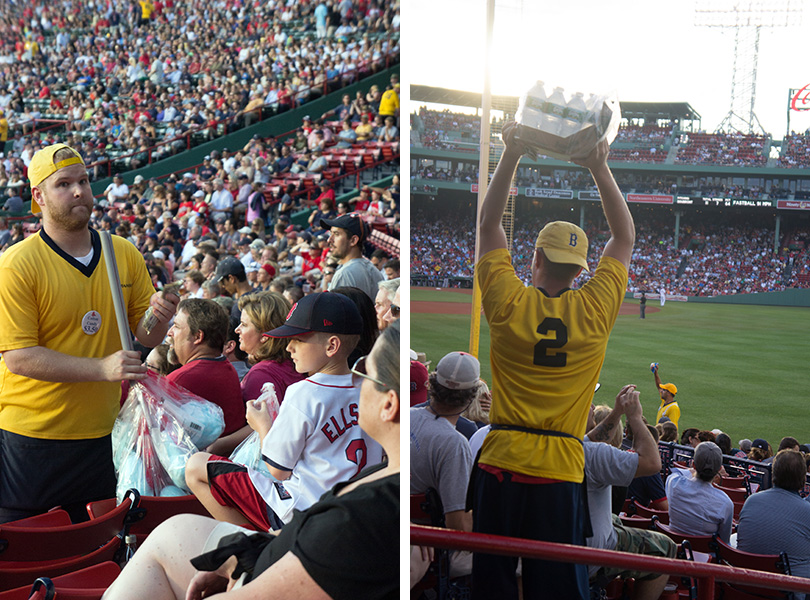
<point>542,357</point>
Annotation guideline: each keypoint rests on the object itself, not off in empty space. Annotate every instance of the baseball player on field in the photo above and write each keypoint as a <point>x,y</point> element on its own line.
<point>314,443</point>
<point>547,347</point>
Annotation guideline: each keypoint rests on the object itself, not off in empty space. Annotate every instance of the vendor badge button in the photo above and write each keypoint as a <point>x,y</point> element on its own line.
<point>91,322</point>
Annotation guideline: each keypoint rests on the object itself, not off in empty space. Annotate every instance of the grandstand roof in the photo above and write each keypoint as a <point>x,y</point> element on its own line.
<point>425,93</point>
<point>659,110</point>
<point>630,110</point>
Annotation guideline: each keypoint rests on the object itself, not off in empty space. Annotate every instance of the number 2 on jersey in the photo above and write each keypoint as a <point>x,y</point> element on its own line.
<point>541,349</point>
<point>356,453</point>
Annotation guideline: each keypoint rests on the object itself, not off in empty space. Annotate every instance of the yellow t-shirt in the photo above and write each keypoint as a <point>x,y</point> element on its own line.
<point>49,299</point>
<point>546,355</point>
<point>389,103</point>
<point>364,131</point>
<point>671,410</point>
<point>3,129</point>
<point>147,8</point>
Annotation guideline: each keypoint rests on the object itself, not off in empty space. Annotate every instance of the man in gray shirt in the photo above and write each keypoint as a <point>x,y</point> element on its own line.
<point>606,466</point>
<point>778,519</point>
<point>346,245</point>
<point>440,456</point>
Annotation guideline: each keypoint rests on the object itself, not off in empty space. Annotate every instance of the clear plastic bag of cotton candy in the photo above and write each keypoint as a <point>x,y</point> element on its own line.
<point>135,456</point>
<point>158,428</point>
<point>565,125</point>
<point>249,452</point>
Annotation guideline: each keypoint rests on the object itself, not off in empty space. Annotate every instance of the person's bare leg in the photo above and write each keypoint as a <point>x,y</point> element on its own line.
<point>650,589</point>
<point>197,481</point>
<point>160,569</point>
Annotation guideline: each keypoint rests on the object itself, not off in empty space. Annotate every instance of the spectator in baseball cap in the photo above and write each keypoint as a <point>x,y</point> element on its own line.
<point>232,278</point>
<point>695,506</point>
<point>325,313</point>
<point>441,458</point>
<point>322,330</point>
<point>760,450</point>
<point>419,383</point>
<point>346,245</point>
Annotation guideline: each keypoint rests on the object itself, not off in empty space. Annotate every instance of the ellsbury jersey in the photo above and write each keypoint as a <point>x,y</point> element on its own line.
<point>546,355</point>
<point>316,436</point>
<point>49,299</point>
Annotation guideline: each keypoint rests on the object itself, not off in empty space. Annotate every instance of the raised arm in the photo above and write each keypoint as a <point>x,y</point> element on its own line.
<point>620,221</point>
<point>604,430</point>
<point>649,461</point>
<point>654,369</point>
<point>491,229</point>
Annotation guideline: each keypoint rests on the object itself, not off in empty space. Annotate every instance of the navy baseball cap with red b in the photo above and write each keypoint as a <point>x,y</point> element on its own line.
<point>326,312</point>
<point>351,223</point>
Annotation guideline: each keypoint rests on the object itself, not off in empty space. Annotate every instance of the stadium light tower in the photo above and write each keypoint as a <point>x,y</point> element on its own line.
<point>746,18</point>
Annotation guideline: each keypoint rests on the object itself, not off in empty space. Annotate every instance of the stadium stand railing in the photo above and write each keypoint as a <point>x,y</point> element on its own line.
<point>706,574</point>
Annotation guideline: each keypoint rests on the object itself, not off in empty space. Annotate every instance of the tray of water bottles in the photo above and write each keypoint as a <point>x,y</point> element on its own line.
<point>566,125</point>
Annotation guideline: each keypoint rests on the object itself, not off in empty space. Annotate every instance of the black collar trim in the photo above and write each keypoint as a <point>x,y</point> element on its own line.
<point>87,271</point>
<point>546,294</point>
<point>219,358</point>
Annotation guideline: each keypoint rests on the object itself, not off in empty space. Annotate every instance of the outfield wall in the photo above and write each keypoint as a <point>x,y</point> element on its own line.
<point>786,298</point>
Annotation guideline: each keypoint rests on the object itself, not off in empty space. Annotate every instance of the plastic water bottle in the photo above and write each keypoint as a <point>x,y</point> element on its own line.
<point>555,112</point>
<point>576,113</point>
<point>131,542</point>
<point>532,107</point>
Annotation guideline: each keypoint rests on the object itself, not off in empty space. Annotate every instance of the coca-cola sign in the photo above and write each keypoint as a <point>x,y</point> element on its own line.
<point>801,99</point>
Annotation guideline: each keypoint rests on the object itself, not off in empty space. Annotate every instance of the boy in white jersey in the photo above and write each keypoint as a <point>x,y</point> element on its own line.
<point>314,443</point>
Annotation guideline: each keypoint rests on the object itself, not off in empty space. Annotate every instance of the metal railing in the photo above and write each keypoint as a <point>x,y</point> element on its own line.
<point>706,574</point>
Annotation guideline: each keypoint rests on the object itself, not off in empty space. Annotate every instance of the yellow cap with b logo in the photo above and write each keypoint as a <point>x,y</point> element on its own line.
<point>43,166</point>
<point>564,242</point>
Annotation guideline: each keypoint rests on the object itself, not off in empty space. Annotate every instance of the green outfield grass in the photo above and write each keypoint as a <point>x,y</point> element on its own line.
<point>740,368</point>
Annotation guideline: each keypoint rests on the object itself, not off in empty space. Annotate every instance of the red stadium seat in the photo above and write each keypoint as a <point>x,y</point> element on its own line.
<point>84,584</point>
<point>643,511</point>
<point>736,494</point>
<point>151,511</point>
<point>636,521</point>
<point>31,551</point>
<point>771,563</point>
<point>699,543</point>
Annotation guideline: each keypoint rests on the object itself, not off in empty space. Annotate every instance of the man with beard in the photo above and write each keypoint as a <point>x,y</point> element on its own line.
<point>197,339</point>
<point>62,361</point>
<point>346,245</point>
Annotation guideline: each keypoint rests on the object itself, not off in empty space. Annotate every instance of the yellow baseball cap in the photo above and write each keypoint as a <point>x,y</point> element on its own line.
<point>564,242</point>
<point>670,387</point>
<point>43,166</point>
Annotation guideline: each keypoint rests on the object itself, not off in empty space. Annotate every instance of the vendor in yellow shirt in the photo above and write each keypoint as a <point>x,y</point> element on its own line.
<point>669,406</point>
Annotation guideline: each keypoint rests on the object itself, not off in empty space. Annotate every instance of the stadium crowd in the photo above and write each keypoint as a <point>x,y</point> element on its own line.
<point>117,82</point>
<point>446,130</point>
<point>796,150</point>
<point>712,258</point>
